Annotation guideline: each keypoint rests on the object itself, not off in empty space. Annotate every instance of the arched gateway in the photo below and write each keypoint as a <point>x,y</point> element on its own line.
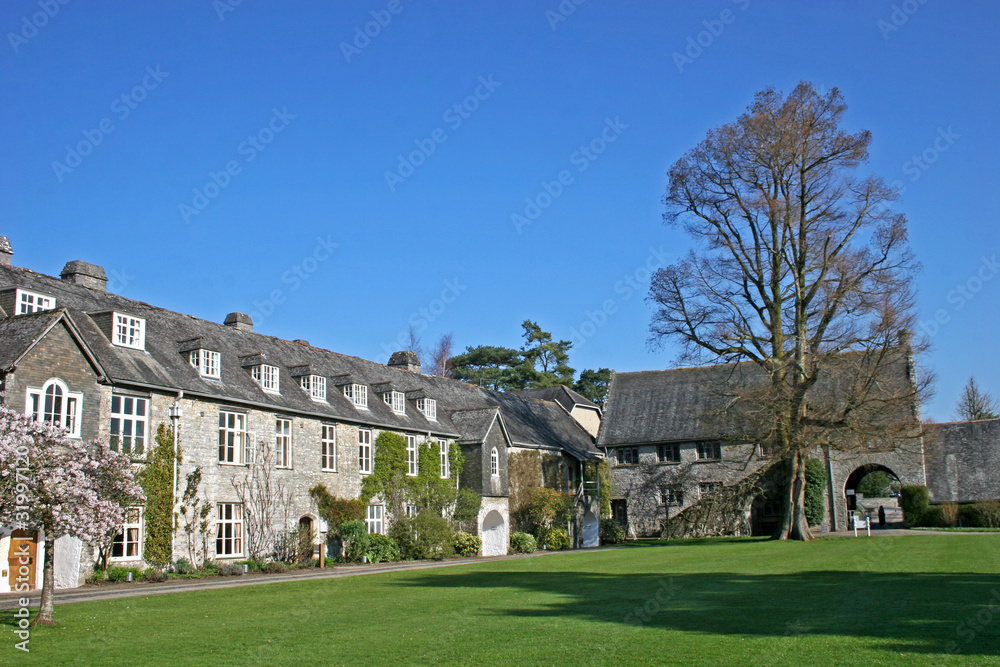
<point>494,534</point>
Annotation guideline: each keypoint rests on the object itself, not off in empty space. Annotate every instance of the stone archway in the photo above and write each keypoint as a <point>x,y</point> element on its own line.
<point>494,534</point>
<point>854,479</point>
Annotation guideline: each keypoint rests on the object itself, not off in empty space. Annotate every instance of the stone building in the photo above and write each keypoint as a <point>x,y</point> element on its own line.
<point>108,367</point>
<point>963,461</point>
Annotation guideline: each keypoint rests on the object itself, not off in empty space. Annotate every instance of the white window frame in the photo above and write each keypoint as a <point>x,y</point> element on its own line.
<point>375,519</point>
<point>494,463</point>
<point>26,302</point>
<point>231,515</point>
<point>328,447</point>
<point>357,394</point>
<point>428,408</point>
<point>131,536</point>
<point>366,460</point>
<point>128,331</point>
<point>128,430</point>
<point>267,376</point>
<point>445,459</point>
<point>412,456</point>
<point>395,400</point>
<point>283,443</point>
<point>64,408</point>
<point>233,440</point>
<point>208,363</point>
<point>314,385</point>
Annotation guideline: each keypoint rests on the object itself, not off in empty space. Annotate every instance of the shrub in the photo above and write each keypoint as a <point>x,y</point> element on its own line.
<point>184,566</point>
<point>154,575</point>
<point>523,543</point>
<point>815,484</point>
<point>949,511</point>
<point>274,567</point>
<point>466,511</point>
<point>354,535</point>
<point>116,573</point>
<point>612,532</point>
<point>549,508</point>
<point>423,536</point>
<point>979,515</point>
<point>230,570</point>
<point>914,501</point>
<point>252,565</point>
<point>557,539</point>
<point>467,544</point>
<point>381,548</point>
<point>210,567</point>
<point>933,517</point>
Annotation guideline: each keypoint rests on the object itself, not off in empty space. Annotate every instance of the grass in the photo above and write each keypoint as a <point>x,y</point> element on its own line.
<point>956,529</point>
<point>890,600</point>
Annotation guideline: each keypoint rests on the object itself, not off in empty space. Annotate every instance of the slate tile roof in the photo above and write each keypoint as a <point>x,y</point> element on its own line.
<point>164,365</point>
<point>560,394</point>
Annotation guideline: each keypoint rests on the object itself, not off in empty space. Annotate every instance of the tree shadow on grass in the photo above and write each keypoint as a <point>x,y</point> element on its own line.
<point>900,612</point>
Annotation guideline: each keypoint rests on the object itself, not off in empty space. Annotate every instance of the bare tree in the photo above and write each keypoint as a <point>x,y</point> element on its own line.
<point>440,355</point>
<point>266,503</point>
<point>803,272</point>
<point>977,404</point>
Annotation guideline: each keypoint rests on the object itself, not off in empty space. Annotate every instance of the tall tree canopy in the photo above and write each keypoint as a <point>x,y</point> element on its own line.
<point>801,269</point>
<point>594,384</point>
<point>977,404</point>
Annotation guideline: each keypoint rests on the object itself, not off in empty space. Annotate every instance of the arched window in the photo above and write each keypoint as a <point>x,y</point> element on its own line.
<point>494,462</point>
<point>54,403</point>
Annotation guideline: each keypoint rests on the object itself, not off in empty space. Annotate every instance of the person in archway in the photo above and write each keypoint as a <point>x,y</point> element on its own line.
<point>881,517</point>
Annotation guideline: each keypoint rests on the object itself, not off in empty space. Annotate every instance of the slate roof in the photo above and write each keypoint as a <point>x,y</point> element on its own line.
<point>19,333</point>
<point>560,394</point>
<point>163,365</point>
<point>962,461</point>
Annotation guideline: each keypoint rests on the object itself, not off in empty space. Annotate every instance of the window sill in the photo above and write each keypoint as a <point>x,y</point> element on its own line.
<point>234,465</point>
<point>327,470</point>
<point>668,463</point>
<point>709,461</point>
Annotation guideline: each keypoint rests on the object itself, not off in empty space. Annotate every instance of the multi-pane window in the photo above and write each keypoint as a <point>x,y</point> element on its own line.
<point>375,519</point>
<point>127,544</point>
<point>128,424</point>
<point>328,445</point>
<point>283,443</point>
<point>207,363</point>
<point>55,404</point>
<point>129,331</point>
<point>233,442</point>
<point>357,394</point>
<point>708,488</point>
<point>671,494</point>
<point>315,386</point>
<point>627,455</point>
<point>668,453</point>
<point>33,302</point>
<point>428,407</point>
<point>229,539</point>
<point>266,376</point>
<point>445,461</point>
<point>411,455</point>
<point>364,451</point>
<point>395,400</point>
<point>708,451</point>
<point>494,462</point>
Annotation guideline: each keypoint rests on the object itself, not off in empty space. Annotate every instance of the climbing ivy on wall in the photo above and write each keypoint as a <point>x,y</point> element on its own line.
<point>157,481</point>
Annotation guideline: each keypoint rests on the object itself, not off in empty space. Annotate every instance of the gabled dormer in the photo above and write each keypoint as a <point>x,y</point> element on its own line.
<point>207,362</point>
<point>122,329</point>
<point>266,375</point>
<point>354,391</point>
<point>310,381</point>
<point>20,301</point>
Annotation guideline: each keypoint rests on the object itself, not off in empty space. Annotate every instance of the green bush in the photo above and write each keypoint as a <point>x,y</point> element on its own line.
<point>184,566</point>
<point>230,570</point>
<point>612,532</point>
<point>933,517</point>
<point>274,567</point>
<point>252,565</point>
<point>153,575</point>
<point>354,535</point>
<point>116,573</point>
<point>815,486</point>
<point>981,515</point>
<point>467,544</point>
<point>210,567</point>
<point>557,539</point>
<point>381,549</point>
<point>914,501</point>
<point>423,536</point>
<point>522,543</point>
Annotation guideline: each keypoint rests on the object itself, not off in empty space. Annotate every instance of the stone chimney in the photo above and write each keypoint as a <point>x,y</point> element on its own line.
<point>406,360</point>
<point>6,252</point>
<point>241,321</point>
<point>88,275</point>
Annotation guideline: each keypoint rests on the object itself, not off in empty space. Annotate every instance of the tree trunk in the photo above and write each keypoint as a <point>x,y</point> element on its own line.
<point>47,607</point>
<point>794,525</point>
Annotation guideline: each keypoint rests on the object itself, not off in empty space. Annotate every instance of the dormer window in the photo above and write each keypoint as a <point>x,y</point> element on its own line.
<point>26,302</point>
<point>129,331</point>
<point>266,376</point>
<point>428,407</point>
<point>357,394</point>
<point>395,400</point>
<point>207,363</point>
<point>315,386</point>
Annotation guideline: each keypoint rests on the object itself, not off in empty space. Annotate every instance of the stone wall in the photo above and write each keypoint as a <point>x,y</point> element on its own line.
<point>963,461</point>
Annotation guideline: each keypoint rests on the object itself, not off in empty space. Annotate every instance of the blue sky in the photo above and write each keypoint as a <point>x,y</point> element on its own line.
<point>216,157</point>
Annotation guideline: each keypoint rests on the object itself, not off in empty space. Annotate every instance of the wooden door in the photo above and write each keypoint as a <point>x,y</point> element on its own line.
<point>21,560</point>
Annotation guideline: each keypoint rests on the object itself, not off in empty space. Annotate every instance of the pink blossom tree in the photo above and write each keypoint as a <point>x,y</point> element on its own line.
<point>64,486</point>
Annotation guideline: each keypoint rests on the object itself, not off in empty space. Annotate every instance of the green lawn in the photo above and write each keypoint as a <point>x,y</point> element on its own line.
<point>887,600</point>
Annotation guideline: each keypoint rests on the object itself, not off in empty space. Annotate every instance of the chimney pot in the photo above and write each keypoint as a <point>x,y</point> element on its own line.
<point>86,274</point>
